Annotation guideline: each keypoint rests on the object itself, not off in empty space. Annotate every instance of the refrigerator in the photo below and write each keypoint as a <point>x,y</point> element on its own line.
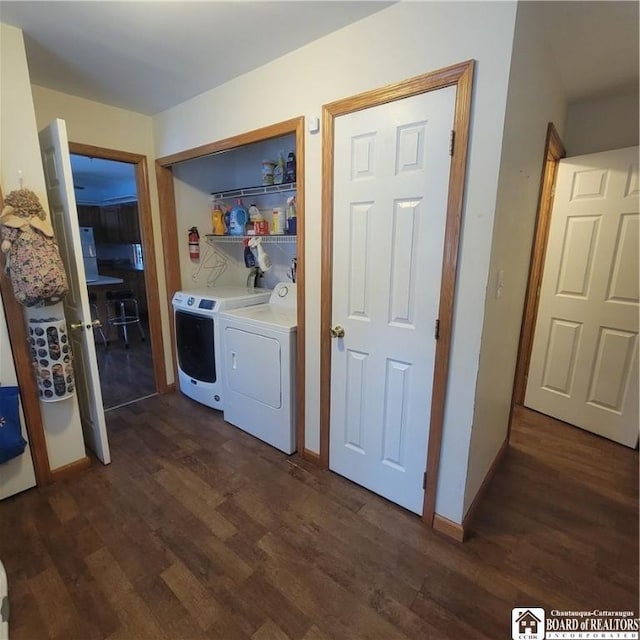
<point>89,254</point>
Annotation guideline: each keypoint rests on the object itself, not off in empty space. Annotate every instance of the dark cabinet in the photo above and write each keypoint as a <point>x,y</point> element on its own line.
<point>89,216</point>
<point>128,223</point>
<point>113,224</point>
<point>109,222</point>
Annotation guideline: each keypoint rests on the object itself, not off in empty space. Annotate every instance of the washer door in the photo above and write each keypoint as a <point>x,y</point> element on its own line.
<point>195,346</point>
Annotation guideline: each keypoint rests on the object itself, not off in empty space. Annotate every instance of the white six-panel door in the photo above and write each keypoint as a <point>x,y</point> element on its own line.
<point>54,147</point>
<point>584,359</point>
<point>391,178</point>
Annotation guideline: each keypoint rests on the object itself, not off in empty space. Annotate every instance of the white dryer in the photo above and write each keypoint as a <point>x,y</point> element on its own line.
<point>259,367</point>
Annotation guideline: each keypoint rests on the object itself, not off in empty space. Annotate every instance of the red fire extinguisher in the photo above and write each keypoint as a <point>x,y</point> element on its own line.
<point>194,243</point>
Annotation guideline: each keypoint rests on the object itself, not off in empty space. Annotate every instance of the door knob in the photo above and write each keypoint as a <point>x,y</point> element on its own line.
<point>337,331</point>
<point>77,325</point>
<point>95,324</point>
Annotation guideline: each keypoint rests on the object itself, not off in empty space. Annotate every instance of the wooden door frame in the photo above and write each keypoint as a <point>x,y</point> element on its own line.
<point>554,151</point>
<point>171,237</point>
<point>146,230</point>
<point>27,384</point>
<point>460,76</point>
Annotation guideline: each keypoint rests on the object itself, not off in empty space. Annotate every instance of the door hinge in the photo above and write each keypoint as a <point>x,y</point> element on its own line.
<point>437,331</point>
<point>452,142</point>
<point>424,480</point>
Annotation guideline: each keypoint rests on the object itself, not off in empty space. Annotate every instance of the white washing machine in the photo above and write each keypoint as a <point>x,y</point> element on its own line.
<point>198,338</point>
<point>259,368</point>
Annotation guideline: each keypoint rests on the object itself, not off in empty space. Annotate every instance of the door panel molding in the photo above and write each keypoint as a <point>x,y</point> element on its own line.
<point>148,244</point>
<point>460,76</point>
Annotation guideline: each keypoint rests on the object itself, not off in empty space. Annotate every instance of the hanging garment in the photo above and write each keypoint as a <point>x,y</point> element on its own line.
<point>31,253</point>
<point>12,444</point>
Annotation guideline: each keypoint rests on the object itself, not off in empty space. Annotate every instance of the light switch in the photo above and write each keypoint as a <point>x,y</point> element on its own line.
<point>313,124</point>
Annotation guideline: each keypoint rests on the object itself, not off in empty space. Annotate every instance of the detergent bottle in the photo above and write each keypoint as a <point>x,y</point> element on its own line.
<point>218,226</point>
<point>238,219</point>
<point>279,169</point>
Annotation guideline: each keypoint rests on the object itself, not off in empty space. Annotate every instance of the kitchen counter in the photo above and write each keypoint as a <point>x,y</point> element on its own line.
<point>103,280</point>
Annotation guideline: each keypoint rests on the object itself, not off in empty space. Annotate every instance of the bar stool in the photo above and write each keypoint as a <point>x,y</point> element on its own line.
<point>124,307</point>
<point>93,304</point>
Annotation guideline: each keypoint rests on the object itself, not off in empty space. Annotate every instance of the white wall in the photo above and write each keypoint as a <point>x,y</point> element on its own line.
<point>535,99</point>
<point>20,151</point>
<point>602,123</point>
<point>101,125</point>
<point>404,40</point>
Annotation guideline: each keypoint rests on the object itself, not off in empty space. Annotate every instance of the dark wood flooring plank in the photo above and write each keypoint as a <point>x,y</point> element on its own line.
<point>282,613</point>
<point>135,616</point>
<point>199,531</point>
<point>270,631</point>
<point>316,592</point>
<point>193,595</point>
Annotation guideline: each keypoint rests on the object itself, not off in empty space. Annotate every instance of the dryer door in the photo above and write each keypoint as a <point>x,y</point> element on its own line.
<point>253,367</point>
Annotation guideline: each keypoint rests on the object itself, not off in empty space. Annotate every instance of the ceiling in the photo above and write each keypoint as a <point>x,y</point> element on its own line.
<point>593,44</point>
<point>103,182</point>
<point>149,56</point>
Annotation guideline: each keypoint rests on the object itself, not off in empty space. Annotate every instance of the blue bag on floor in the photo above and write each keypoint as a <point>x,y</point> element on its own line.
<point>12,443</point>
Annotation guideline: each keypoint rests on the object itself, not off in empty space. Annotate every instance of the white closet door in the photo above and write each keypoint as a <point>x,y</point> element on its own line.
<point>584,360</point>
<point>391,183</point>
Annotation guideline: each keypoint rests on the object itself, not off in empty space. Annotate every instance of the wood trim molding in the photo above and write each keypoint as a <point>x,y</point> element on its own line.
<point>257,135</point>
<point>461,76</point>
<point>29,395</point>
<point>171,254</point>
<point>471,511</point>
<point>166,195</point>
<point>70,470</point>
<point>301,280</point>
<point>447,292</point>
<point>553,151</point>
<point>448,528</point>
<point>146,229</point>
<point>312,456</point>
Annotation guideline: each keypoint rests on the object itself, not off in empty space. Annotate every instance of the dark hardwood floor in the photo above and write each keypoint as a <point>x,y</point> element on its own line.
<point>126,374</point>
<point>197,530</point>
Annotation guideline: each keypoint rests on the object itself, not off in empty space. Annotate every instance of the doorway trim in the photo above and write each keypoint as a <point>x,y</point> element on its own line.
<point>166,197</point>
<point>554,151</point>
<point>146,229</point>
<point>460,76</point>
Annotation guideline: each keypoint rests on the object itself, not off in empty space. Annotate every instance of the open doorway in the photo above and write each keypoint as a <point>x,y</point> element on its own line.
<point>107,201</point>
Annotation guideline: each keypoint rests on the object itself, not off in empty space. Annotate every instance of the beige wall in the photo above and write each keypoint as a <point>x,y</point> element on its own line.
<point>399,42</point>
<point>602,123</point>
<point>112,128</point>
<point>20,152</point>
<point>535,99</point>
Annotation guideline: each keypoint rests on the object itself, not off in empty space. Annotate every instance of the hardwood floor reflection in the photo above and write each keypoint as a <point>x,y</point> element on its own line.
<point>126,375</point>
